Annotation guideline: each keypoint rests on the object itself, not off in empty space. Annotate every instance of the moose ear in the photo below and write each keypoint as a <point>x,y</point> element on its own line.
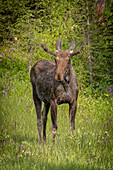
<point>58,45</point>
<point>72,46</point>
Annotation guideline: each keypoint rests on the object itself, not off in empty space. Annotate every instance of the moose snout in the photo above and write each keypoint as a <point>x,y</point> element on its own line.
<point>59,77</point>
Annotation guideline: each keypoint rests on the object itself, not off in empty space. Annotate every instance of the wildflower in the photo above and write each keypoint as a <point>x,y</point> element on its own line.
<point>65,117</point>
<point>20,147</point>
<point>4,142</point>
<point>105,142</point>
<point>27,106</point>
<point>5,91</point>
<point>86,120</point>
<point>83,123</point>
<point>109,117</point>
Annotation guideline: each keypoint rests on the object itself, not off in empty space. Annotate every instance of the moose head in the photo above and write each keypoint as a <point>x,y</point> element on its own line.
<point>62,59</point>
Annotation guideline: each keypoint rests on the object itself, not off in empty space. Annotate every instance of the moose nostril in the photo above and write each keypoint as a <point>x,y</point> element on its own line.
<point>59,77</point>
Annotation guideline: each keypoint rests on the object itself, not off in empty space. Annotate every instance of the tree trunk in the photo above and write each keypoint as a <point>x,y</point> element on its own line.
<point>100,5</point>
<point>89,53</point>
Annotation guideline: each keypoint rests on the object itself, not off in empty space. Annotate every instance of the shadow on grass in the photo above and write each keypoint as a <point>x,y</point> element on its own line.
<point>32,164</point>
<point>19,138</point>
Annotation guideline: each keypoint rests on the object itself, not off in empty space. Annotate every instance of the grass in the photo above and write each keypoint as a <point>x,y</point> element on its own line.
<point>89,147</point>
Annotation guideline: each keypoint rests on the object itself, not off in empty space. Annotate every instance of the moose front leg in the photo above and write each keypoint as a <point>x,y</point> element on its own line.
<point>72,112</point>
<point>45,113</point>
<point>54,119</point>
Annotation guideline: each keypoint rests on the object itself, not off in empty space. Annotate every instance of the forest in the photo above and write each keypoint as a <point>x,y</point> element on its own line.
<point>24,26</point>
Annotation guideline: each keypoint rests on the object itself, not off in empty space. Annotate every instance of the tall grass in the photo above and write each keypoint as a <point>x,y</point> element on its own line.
<point>90,146</point>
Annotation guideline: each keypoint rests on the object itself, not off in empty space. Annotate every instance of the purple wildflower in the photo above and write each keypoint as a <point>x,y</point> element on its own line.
<point>109,117</point>
<point>105,142</point>
<point>83,123</point>
<point>65,117</point>
<point>5,91</point>
<point>27,106</point>
<point>23,149</point>
<point>111,121</point>
<point>20,147</point>
<point>4,142</point>
<point>86,120</point>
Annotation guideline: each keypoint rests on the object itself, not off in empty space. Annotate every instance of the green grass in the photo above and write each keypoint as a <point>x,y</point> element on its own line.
<point>90,146</point>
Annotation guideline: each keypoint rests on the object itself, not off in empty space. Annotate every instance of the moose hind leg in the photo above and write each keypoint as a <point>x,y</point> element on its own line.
<point>45,113</point>
<point>38,105</point>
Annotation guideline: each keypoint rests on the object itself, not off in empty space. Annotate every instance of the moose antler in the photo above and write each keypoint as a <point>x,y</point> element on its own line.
<point>46,49</point>
<point>77,52</point>
<point>72,46</point>
<point>58,45</point>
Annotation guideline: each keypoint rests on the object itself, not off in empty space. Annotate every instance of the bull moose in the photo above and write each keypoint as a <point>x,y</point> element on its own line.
<point>55,83</point>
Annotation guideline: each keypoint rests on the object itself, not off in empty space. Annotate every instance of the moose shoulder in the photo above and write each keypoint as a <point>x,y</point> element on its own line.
<point>54,84</point>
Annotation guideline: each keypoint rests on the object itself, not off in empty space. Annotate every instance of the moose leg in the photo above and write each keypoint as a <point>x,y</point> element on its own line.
<point>54,119</point>
<point>45,113</point>
<point>72,112</point>
<point>38,105</point>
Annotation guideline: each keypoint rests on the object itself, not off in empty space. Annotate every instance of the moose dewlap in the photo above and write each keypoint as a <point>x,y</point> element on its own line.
<point>55,83</point>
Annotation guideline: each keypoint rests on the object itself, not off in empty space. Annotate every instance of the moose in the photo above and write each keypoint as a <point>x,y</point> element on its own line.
<point>55,83</point>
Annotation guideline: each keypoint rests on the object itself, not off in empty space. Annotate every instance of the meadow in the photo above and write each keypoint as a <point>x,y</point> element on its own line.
<point>89,147</point>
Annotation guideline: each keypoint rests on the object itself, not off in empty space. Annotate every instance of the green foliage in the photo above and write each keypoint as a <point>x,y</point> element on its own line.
<point>12,70</point>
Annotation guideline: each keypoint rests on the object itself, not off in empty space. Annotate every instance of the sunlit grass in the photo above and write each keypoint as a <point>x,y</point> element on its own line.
<point>90,146</point>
